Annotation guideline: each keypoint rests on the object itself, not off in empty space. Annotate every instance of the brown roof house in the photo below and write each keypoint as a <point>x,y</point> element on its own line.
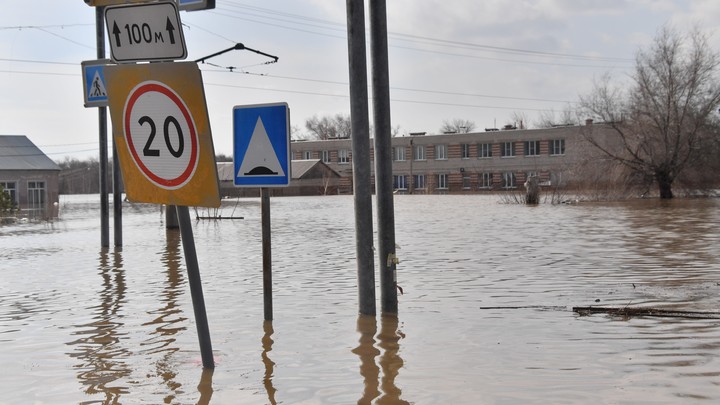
<point>308,177</point>
<point>29,177</point>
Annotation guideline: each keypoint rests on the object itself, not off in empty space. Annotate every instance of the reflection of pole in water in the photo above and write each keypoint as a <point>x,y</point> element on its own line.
<point>390,361</point>
<point>98,348</point>
<point>169,320</point>
<point>367,352</point>
<point>267,343</point>
<point>205,386</point>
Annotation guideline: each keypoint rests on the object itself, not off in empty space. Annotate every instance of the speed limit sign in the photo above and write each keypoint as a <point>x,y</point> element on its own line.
<point>157,126</point>
<point>162,133</point>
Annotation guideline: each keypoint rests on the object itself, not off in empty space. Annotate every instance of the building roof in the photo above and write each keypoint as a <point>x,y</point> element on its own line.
<point>301,167</point>
<point>17,152</point>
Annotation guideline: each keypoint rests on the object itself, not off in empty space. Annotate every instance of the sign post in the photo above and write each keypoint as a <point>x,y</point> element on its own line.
<point>162,132</point>
<point>261,146</point>
<point>161,128</point>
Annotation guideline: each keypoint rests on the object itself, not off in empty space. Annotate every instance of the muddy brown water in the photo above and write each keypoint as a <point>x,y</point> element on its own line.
<point>485,319</point>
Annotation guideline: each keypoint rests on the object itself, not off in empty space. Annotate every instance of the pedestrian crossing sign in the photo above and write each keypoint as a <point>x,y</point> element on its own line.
<point>94,83</point>
<point>261,145</point>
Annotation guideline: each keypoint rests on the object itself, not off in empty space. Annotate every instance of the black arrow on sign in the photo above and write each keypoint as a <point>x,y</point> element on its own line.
<point>170,28</point>
<point>116,32</point>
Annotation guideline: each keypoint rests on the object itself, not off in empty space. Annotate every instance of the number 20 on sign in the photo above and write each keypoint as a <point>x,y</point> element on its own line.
<point>162,134</point>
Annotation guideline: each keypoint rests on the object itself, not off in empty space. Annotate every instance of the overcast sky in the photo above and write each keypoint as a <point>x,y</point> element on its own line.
<point>476,60</point>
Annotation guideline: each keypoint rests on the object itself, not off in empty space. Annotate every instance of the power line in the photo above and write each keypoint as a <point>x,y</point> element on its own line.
<point>339,27</point>
<point>449,93</point>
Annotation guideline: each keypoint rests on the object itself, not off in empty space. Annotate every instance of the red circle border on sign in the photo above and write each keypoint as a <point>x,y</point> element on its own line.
<point>159,87</point>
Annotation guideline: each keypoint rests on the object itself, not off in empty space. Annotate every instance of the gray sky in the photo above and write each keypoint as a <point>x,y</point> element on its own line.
<point>475,60</point>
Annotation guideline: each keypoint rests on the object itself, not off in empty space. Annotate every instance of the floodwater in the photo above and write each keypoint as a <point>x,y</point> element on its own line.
<point>486,316</point>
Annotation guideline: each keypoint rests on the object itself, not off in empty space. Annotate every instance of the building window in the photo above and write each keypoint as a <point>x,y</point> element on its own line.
<point>532,148</point>
<point>343,156</point>
<point>485,180</point>
<point>10,188</point>
<point>509,180</point>
<point>399,153</point>
<point>440,152</point>
<point>36,194</point>
<point>442,181</point>
<point>557,147</point>
<point>507,149</point>
<point>325,156</point>
<point>466,181</point>
<point>419,152</point>
<point>419,180</point>
<point>399,183</point>
<point>484,150</point>
<point>307,154</point>
<point>465,151</point>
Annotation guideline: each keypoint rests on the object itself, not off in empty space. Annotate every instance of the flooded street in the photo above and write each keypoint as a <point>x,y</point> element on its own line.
<point>486,316</point>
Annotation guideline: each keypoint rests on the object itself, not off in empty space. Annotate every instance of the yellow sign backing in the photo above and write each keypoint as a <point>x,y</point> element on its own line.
<point>162,133</point>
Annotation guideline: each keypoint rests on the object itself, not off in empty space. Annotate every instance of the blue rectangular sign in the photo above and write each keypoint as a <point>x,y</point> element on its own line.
<point>95,93</point>
<point>261,145</point>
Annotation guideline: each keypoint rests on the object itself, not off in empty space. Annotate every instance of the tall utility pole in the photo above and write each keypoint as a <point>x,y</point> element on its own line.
<point>383,157</point>
<point>102,129</point>
<point>362,190</point>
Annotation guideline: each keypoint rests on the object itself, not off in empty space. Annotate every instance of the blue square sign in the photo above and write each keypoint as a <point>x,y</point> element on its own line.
<point>94,82</point>
<point>261,145</point>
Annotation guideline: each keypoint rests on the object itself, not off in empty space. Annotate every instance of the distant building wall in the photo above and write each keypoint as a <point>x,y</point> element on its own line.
<point>463,163</point>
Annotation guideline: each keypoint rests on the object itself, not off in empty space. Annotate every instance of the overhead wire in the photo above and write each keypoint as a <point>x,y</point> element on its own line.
<point>230,9</point>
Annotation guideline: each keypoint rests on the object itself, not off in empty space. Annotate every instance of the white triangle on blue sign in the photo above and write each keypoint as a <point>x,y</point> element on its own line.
<point>97,87</point>
<point>260,157</point>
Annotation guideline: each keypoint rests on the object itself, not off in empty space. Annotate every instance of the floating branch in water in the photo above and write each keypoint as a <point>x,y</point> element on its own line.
<point>643,311</point>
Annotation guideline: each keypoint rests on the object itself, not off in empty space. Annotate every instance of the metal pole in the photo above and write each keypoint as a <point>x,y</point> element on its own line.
<point>362,191</point>
<point>196,292</point>
<point>117,197</point>
<point>266,253</point>
<point>102,127</point>
<point>383,156</point>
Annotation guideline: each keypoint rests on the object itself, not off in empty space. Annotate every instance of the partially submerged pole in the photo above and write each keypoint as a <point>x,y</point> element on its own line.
<point>117,198</point>
<point>383,156</point>
<point>362,191</point>
<point>102,131</point>
<point>196,293</point>
<point>266,253</point>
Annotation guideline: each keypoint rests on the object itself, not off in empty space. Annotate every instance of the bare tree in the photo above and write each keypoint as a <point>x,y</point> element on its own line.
<point>519,119</point>
<point>327,127</point>
<point>661,121</point>
<point>457,125</point>
<point>550,118</point>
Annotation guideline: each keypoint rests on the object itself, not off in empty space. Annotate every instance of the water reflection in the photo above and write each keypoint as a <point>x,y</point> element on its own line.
<point>169,320</point>
<point>379,352</point>
<point>205,387</point>
<point>267,343</point>
<point>98,348</point>
<point>664,238</point>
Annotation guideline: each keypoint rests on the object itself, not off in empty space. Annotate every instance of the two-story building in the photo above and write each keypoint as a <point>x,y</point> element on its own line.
<point>463,163</point>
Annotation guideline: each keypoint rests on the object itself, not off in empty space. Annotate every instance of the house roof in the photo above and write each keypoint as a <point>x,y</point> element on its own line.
<point>17,152</point>
<point>302,167</point>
